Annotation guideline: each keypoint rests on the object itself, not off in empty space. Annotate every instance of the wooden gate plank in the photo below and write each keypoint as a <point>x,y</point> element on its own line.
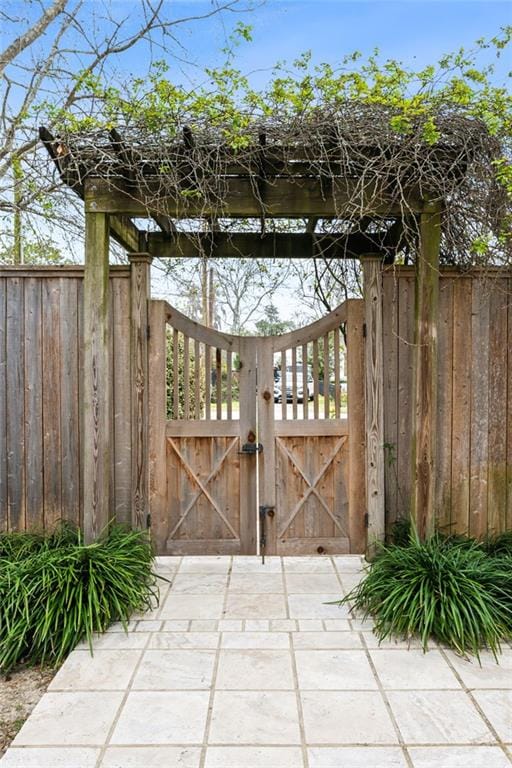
<point>70,443</point>
<point>157,418</point>
<point>390,356</point>
<point>443,497</point>
<point>15,406</point>
<point>267,459</point>
<point>479,410</point>
<point>497,384</point>
<point>247,464</point>
<point>4,521</point>
<point>34,403</point>
<point>122,406</point>
<point>356,426</point>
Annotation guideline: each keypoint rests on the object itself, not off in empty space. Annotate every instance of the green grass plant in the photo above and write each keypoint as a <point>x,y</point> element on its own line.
<point>56,591</point>
<point>447,589</point>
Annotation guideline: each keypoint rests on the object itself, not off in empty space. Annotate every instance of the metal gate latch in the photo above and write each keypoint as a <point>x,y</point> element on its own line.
<point>265,511</point>
<point>251,448</point>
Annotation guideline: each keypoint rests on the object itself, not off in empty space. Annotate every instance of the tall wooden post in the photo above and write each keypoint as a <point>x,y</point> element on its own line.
<point>356,425</point>
<point>140,265</point>
<point>424,468</point>
<point>96,402</point>
<point>374,400</point>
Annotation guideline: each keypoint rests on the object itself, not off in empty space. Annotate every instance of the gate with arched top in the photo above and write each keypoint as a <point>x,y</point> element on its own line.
<point>257,443</point>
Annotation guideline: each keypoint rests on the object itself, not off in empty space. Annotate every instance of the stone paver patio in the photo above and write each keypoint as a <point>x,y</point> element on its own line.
<point>245,666</point>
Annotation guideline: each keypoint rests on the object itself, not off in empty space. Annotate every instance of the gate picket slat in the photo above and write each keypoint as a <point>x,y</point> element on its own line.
<point>305,401</point>
<point>175,374</point>
<point>197,379</point>
<point>337,383</point>
<point>186,377</point>
<point>284,407</point>
<point>315,379</point>
<point>326,376</point>
<point>294,382</point>
<point>229,393</point>
<point>218,381</point>
<point>207,381</point>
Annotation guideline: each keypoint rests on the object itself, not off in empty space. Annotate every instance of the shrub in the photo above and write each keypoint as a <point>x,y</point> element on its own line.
<point>55,591</point>
<point>444,589</point>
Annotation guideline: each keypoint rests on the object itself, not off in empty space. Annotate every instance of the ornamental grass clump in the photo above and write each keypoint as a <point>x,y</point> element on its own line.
<point>440,589</point>
<point>56,591</point>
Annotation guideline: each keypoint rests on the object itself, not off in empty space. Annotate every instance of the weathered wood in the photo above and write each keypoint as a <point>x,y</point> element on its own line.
<point>337,382</point>
<point>157,422</point>
<point>69,419</point>
<point>479,451</point>
<point>33,363</point>
<point>15,430</point>
<point>140,287</point>
<point>202,428</point>
<point>52,423</point>
<point>283,198</point>
<point>443,493</point>
<point>4,518</point>
<point>390,343</point>
<point>326,375</point>
<point>356,425</point>
<point>424,467</point>
<point>121,302</point>
<point>193,245</point>
<point>305,400</point>
<point>461,406</point>
<point>266,421</point>
<point>248,434</point>
<point>405,391</point>
<point>497,434</point>
<point>509,406</point>
<point>318,427</point>
<point>316,377</point>
<point>374,401</point>
<point>124,231</point>
<point>284,396</point>
<point>96,442</point>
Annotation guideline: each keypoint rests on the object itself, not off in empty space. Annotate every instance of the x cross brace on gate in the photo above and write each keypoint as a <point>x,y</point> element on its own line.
<point>202,486</point>
<point>311,485</point>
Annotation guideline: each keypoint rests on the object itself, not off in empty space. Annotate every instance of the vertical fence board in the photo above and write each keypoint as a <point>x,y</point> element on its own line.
<point>444,407</point>
<point>33,404</point>
<point>461,399</point>
<point>405,360</point>
<point>509,407</point>
<point>497,385</point>
<point>15,406</point>
<point>390,356</point>
<point>4,522</point>
<point>122,400</point>
<point>70,445</point>
<point>51,402</point>
<point>479,408</point>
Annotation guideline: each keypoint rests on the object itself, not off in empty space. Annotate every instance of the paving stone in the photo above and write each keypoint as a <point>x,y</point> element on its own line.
<point>106,670</point>
<point>256,625</point>
<point>320,640</point>
<point>254,757</point>
<point>230,625</point>
<point>148,626</point>
<point>488,673</point>
<point>200,583</point>
<point>313,564</point>
<point>151,757</point>
<point>181,625</point>
<point>310,625</point>
<point>203,625</point>
<point>316,607</point>
<point>497,707</point>
<point>255,640</point>
<point>175,670</point>
<point>79,718</point>
<point>458,757</point>
<point>283,625</point>
<point>312,583</point>
<point>184,640</point>
<point>205,564</point>
<point>122,641</point>
<point>334,670</point>
<point>372,641</point>
<point>255,717</point>
<point>253,564</point>
<point>162,717</point>
<point>346,717</point>
<point>356,757</point>
<point>348,563</point>
<point>413,669</point>
<point>255,607</point>
<point>438,717</point>
<point>256,583</point>
<point>183,606</point>
<point>337,625</point>
<point>254,669</point>
<point>50,757</point>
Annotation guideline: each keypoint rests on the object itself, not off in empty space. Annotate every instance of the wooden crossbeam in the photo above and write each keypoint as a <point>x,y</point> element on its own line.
<point>272,245</point>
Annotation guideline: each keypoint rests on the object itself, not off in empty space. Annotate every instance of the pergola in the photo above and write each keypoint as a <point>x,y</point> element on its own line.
<point>118,185</point>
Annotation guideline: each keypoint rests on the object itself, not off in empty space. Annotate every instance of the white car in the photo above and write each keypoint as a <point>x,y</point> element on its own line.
<point>302,392</point>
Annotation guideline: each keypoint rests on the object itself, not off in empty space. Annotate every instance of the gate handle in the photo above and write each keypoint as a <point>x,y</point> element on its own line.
<point>251,448</point>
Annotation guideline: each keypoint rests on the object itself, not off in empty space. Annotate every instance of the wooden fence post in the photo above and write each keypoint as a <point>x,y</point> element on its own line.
<point>140,265</point>
<point>356,425</point>
<point>96,401</point>
<point>374,400</point>
<point>157,421</point>
<point>424,468</point>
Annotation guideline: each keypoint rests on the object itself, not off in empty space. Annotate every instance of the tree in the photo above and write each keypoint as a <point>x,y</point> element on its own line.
<point>56,51</point>
<point>270,324</point>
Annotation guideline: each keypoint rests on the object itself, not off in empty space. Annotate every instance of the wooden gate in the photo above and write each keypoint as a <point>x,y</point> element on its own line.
<point>251,442</point>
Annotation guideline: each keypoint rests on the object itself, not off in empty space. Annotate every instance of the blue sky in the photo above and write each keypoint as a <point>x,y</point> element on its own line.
<point>412,31</point>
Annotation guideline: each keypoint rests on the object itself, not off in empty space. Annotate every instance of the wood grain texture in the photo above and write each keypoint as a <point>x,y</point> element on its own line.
<point>15,415</point>
<point>96,443</point>
<point>390,343</point>
<point>157,422</point>
<point>139,285</point>
<point>356,426</point>
<point>497,385</point>
<point>443,492</point>
<point>69,405</point>
<point>33,362</point>
<point>122,415</point>
<point>375,501</point>
<point>480,370</point>
<point>4,516</point>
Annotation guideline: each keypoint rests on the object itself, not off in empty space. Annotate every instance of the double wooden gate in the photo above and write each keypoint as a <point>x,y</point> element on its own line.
<point>257,442</point>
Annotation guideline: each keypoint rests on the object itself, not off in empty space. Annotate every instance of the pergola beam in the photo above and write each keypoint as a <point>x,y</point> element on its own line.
<point>124,231</point>
<point>271,245</point>
<point>284,198</point>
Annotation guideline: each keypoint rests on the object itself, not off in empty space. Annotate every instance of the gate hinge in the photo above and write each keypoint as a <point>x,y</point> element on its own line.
<point>251,448</point>
<point>148,521</point>
<point>366,520</point>
<point>364,330</point>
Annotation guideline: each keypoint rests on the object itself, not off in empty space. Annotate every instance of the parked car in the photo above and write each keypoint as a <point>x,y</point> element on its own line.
<point>302,392</point>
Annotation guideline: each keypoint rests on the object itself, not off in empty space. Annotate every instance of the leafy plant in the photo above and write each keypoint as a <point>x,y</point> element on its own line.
<point>443,589</point>
<point>54,590</point>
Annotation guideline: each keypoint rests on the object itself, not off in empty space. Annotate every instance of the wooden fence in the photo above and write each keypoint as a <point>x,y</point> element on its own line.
<point>41,353</point>
<point>474,401</point>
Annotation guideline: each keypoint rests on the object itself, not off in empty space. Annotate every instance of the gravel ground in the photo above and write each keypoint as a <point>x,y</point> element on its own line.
<point>19,693</point>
